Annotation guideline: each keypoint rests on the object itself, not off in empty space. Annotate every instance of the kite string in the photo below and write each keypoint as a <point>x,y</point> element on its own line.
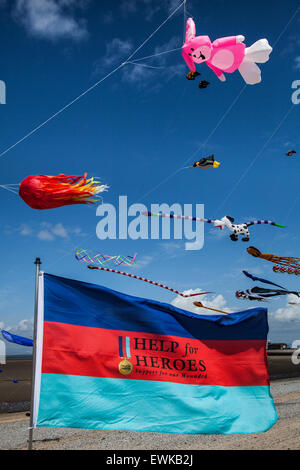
<point>154,32</point>
<point>37,128</point>
<point>218,125</point>
<point>33,131</point>
<point>156,55</point>
<point>121,65</point>
<point>184,21</point>
<point>145,65</point>
<point>255,158</point>
<point>198,148</point>
<point>14,191</point>
<point>276,130</point>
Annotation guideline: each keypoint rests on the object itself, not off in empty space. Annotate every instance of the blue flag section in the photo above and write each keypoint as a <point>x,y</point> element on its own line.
<point>113,361</point>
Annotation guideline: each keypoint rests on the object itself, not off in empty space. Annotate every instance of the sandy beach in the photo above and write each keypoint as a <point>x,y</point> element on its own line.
<point>15,401</point>
<point>15,396</point>
<point>284,435</point>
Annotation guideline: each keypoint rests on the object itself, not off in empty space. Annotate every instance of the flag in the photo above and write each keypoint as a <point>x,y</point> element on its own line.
<point>107,360</point>
<point>16,339</point>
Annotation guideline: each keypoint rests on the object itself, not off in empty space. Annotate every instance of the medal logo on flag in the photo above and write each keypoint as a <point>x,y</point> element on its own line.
<point>125,366</point>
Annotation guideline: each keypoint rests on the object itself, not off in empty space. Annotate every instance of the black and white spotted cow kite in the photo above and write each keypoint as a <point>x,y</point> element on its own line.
<point>240,229</point>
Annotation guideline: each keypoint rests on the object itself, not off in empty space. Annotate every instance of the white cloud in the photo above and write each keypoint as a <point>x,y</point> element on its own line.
<point>143,261</point>
<point>138,74</point>
<point>129,7</point>
<point>46,231</point>
<point>45,236</point>
<point>116,51</point>
<point>297,62</point>
<point>173,4</point>
<point>50,231</point>
<point>23,328</point>
<point>174,42</point>
<point>51,19</point>
<point>187,303</point>
<point>172,249</point>
<point>289,312</point>
<point>150,8</point>
<point>108,18</point>
<point>60,231</point>
<point>25,230</point>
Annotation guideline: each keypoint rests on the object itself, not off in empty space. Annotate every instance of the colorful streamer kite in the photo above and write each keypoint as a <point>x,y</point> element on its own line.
<point>50,192</point>
<point>236,229</point>
<point>260,293</point>
<point>283,269</point>
<point>260,279</point>
<point>85,256</point>
<point>289,261</point>
<point>147,280</point>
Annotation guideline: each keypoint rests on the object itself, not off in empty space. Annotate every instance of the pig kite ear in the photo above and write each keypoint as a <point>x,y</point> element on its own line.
<point>190,34</point>
<point>188,59</point>
<point>190,30</point>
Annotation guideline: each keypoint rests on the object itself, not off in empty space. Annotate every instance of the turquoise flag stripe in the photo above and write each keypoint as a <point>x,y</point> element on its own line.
<point>128,346</point>
<point>140,405</point>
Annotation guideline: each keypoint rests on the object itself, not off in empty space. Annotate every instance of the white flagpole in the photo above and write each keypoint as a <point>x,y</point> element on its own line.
<point>37,273</point>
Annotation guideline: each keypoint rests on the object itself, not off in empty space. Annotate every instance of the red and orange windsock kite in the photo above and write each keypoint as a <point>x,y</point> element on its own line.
<point>50,192</point>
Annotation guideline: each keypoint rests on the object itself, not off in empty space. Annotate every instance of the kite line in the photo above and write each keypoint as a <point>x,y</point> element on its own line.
<point>218,125</point>
<point>274,132</point>
<point>64,108</point>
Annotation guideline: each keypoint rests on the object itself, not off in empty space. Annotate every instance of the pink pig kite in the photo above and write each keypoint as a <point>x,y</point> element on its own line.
<point>224,55</point>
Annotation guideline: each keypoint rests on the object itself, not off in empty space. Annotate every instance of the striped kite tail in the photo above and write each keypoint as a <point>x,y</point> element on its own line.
<point>140,278</point>
<point>176,216</point>
<point>264,222</point>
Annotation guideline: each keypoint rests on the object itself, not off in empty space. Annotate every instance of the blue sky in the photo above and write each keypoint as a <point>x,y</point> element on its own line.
<point>135,131</point>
